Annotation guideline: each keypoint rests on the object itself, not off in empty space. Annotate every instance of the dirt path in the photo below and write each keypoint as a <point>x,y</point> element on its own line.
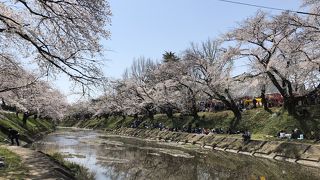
<point>40,166</point>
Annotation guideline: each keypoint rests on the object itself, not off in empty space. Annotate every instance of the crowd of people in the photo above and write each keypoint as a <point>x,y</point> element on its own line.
<point>246,134</point>
<point>195,130</point>
<point>211,106</point>
<point>246,103</point>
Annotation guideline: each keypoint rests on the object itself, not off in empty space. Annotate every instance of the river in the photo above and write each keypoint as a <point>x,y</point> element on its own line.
<point>116,157</point>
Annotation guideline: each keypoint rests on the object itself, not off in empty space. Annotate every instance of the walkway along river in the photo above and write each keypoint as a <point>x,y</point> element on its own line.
<point>118,157</point>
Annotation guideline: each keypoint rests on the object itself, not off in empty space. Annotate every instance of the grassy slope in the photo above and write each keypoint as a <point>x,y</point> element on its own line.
<point>14,168</point>
<point>34,127</point>
<point>258,121</point>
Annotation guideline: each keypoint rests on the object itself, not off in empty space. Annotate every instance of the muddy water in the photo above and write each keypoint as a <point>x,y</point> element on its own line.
<point>114,157</point>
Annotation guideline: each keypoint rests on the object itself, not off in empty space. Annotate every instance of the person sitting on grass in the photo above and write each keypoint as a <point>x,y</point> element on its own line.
<point>13,135</point>
<point>282,134</point>
<point>297,134</point>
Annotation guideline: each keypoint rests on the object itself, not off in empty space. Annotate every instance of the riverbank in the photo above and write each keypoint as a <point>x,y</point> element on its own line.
<point>295,152</point>
<point>112,156</point>
<point>25,163</point>
<point>30,164</point>
<point>262,124</point>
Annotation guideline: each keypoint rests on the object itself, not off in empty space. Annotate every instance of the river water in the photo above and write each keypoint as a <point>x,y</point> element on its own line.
<point>116,157</point>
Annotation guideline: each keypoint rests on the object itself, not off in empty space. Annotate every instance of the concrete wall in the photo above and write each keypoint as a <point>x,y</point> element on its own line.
<point>301,153</point>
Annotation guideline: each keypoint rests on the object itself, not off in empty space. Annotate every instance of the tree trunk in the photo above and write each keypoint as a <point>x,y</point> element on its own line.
<point>192,96</point>
<point>264,100</point>
<point>285,90</point>
<point>237,117</point>
<point>105,116</point>
<point>169,112</point>
<point>195,115</point>
<point>150,115</point>
<point>289,104</point>
<point>232,106</point>
<point>194,109</point>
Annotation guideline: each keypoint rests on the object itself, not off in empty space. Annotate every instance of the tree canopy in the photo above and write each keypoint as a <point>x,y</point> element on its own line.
<point>56,36</point>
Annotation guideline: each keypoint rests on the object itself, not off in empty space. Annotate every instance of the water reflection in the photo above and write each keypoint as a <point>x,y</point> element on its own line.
<point>113,157</point>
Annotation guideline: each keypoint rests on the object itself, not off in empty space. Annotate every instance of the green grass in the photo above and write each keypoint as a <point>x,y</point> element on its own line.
<point>80,172</point>
<point>13,168</point>
<point>101,123</point>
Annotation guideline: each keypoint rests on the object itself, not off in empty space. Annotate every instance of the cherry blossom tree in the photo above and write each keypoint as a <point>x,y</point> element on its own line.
<point>139,85</point>
<point>127,99</point>
<point>278,47</point>
<point>177,79</point>
<point>56,36</point>
<point>212,69</point>
<point>168,97</point>
<point>79,111</point>
<point>40,99</point>
<point>13,76</point>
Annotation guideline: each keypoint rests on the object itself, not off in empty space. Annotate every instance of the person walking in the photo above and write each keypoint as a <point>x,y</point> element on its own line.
<point>13,135</point>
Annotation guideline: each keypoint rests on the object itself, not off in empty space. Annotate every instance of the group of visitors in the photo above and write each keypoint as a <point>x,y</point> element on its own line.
<point>295,134</point>
<point>214,106</point>
<point>246,135</point>
<point>211,106</point>
<point>248,104</point>
<point>136,123</point>
<point>197,130</point>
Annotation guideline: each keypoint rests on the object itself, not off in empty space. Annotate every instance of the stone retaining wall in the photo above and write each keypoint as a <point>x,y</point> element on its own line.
<point>301,153</point>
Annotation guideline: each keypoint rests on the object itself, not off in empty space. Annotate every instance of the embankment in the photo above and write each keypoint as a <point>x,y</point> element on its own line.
<point>34,129</point>
<point>24,163</point>
<point>295,152</point>
<point>261,123</point>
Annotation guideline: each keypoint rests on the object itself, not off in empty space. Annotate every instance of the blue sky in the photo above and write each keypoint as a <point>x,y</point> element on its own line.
<point>151,27</point>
